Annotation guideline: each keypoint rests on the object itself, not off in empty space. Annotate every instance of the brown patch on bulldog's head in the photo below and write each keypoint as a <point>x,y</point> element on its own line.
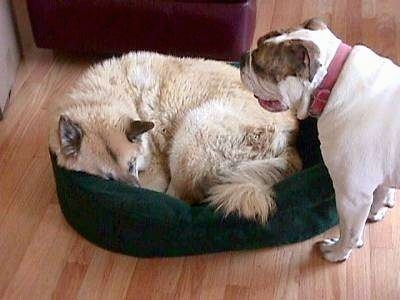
<point>311,24</point>
<point>268,36</point>
<point>276,61</point>
<point>273,34</point>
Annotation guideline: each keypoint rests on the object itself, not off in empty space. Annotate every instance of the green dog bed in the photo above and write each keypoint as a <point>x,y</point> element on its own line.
<point>145,223</point>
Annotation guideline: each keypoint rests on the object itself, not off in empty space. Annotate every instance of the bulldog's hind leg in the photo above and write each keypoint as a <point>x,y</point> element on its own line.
<point>353,209</point>
<point>384,198</point>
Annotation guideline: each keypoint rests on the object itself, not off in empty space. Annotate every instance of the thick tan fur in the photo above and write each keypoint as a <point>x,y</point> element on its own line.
<point>211,140</point>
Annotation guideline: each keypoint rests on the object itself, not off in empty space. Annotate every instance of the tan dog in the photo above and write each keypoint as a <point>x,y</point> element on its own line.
<point>210,140</point>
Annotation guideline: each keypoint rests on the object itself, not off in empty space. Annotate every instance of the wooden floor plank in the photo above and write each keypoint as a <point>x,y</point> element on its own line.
<point>44,259</point>
<point>74,271</point>
<point>108,276</point>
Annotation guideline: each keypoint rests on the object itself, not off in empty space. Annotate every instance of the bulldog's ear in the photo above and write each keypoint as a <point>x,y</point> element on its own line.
<point>314,24</point>
<point>136,128</point>
<point>304,58</point>
<point>70,134</point>
<point>267,36</point>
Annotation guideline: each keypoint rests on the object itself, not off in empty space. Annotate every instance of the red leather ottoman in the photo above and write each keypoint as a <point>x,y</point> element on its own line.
<point>219,29</point>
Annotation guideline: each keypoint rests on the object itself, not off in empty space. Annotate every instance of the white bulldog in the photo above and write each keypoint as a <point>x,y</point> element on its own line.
<point>353,92</point>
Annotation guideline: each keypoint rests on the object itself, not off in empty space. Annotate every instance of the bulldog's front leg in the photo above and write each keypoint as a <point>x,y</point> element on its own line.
<point>353,209</point>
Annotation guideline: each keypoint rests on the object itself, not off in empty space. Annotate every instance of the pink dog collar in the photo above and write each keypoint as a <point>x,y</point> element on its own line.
<point>321,95</point>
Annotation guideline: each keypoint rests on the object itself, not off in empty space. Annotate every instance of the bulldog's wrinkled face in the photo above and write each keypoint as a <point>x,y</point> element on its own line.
<point>283,65</point>
<point>116,150</point>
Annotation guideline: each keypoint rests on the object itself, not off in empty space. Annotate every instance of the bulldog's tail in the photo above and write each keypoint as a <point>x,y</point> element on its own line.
<point>247,188</point>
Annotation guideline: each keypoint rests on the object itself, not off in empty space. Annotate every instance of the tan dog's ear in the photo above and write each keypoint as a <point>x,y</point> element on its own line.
<point>303,55</point>
<point>314,24</point>
<point>70,135</point>
<point>136,128</point>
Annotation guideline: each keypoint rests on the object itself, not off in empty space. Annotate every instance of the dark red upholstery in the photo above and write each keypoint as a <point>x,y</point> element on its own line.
<point>219,29</point>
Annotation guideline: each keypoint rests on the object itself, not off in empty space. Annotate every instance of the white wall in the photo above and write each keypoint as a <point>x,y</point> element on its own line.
<point>9,52</point>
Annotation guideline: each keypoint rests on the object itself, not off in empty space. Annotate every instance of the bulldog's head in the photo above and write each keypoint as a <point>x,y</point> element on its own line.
<point>288,65</point>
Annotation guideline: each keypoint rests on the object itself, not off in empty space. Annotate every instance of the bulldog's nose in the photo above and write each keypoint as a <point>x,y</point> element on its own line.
<point>243,59</point>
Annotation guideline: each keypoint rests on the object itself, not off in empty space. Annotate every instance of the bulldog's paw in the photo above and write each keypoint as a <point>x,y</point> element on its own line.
<point>332,252</point>
<point>377,216</point>
<point>390,200</point>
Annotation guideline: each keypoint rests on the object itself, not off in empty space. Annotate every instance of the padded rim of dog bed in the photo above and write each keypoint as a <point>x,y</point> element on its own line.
<point>146,223</point>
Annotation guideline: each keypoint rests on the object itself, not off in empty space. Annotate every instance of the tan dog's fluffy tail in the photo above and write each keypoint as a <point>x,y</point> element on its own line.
<point>247,188</point>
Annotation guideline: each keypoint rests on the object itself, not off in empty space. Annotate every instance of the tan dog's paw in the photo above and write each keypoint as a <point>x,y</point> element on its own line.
<point>332,252</point>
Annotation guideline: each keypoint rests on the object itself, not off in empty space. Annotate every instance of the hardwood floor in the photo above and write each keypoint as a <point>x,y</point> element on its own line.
<point>41,257</point>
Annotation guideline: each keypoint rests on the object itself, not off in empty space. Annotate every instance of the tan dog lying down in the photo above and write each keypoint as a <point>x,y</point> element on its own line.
<point>185,126</point>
